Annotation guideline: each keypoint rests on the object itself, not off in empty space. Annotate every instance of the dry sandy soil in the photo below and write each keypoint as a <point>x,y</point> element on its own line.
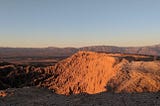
<point>88,78</point>
<point>31,96</point>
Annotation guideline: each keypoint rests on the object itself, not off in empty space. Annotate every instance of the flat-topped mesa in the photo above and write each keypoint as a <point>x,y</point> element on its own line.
<point>83,72</point>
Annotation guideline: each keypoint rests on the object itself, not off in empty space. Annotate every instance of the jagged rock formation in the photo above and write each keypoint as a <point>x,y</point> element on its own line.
<point>83,72</point>
<point>136,77</point>
<point>14,76</point>
<point>88,72</point>
<point>97,72</point>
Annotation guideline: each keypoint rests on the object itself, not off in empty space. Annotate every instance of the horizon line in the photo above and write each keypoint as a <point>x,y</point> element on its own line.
<point>77,47</point>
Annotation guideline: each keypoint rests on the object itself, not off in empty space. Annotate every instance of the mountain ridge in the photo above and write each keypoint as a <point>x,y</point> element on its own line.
<point>68,51</point>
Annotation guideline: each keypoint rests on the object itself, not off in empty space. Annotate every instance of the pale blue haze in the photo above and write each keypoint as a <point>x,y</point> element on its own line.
<point>76,23</point>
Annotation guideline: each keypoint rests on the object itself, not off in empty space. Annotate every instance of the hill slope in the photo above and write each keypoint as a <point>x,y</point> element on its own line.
<point>82,72</point>
<point>88,72</point>
<point>92,72</point>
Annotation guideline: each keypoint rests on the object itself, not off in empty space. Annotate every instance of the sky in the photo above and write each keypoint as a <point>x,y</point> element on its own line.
<point>77,23</point>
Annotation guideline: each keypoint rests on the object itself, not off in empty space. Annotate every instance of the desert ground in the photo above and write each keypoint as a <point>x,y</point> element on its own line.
<point>82,79</point>
<point>32,96</point>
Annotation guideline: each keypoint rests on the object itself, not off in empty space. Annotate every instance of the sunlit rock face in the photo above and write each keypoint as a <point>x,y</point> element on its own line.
<point>92,73</point>
<point>88,72</point>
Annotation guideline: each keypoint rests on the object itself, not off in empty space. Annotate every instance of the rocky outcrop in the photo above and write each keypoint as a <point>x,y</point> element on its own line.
<point>137,77</point>
<point>15,76</point>
<point>83,72</point>
<point>88,72</point>
<point>92,73</point>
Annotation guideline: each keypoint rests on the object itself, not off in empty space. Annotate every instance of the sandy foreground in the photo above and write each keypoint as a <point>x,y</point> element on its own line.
<point>32,96</point>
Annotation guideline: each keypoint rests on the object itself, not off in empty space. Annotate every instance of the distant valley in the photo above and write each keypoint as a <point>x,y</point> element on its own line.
<point>55,51</point>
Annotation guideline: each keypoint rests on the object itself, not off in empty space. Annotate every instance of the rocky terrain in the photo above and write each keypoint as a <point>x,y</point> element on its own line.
<point>32,96</point>
<point>126,78</point>
<point>97,72</point>
<point>15,76</point>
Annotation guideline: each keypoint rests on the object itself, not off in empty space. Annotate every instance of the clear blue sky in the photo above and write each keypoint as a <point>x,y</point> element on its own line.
<point>76,23</point>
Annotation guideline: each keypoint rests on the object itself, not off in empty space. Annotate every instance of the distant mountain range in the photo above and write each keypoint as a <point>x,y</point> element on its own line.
<point>55,51</point>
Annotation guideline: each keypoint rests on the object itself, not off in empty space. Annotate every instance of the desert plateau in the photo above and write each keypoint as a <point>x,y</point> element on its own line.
<point>85,78</point>
<point>79,52</point>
